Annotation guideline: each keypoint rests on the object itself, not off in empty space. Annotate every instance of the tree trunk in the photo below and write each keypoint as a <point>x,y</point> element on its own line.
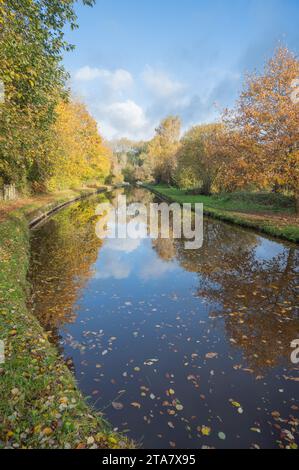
<point>206,187</point>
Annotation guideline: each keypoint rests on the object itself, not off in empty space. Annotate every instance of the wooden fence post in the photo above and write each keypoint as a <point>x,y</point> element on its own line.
<point>9,192</point>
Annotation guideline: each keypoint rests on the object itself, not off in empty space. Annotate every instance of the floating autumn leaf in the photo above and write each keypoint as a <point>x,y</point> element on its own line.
<point>205,430</point>
<point>117,405</point>
<point>211,355</point>
<point>292,379</point>
<point>135,404</point>
<point>179,407</point>
<point>256,430</point>
<point>191,377</point>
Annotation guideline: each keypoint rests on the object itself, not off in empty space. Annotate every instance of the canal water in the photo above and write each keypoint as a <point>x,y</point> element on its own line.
<point>177,348</point>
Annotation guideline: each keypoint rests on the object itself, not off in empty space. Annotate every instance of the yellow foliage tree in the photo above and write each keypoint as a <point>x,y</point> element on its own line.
<point>79,154</point>
<point>162,149</point>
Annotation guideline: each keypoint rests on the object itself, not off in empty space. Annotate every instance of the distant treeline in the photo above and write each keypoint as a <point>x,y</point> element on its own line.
<point>254,146</point>
<point>47,140</point>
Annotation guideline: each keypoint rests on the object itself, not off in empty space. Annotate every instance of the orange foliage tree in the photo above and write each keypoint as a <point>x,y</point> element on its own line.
<point>262,138</point>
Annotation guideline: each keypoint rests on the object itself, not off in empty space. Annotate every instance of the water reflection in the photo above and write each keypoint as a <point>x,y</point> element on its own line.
<point>256,289</point>
<point>175,338</point>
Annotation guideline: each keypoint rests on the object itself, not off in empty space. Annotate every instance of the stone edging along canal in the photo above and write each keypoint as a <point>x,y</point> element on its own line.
<point>40,403</point>
<point>50,210</point>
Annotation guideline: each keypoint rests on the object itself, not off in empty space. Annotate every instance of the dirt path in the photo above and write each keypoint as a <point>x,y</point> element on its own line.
<point>7,207</point>
<point>36,201</point>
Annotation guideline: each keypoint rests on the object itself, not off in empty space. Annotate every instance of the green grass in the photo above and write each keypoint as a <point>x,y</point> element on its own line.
<point>242,209</point>
<point>40,404</point>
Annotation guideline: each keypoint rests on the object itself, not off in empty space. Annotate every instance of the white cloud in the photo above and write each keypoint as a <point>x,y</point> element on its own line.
<point>132,107</point>
<point>127,113</point>
<point>160,85</point>
<point>126,118</point>
<point>118,80</point>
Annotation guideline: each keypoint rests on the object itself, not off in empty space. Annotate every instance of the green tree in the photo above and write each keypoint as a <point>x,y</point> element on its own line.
<point>31,47</point>
<point>200,158</point>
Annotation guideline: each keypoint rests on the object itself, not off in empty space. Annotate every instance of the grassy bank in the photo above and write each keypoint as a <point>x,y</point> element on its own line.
<point>272,214</point>
<point>40,404</point>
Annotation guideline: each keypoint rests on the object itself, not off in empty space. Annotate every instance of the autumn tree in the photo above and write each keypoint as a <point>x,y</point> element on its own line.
<point>79,155</point>
<point>163,148</point>
<point>200,158</point>
<point>263,129</point>
<point>31,47</point>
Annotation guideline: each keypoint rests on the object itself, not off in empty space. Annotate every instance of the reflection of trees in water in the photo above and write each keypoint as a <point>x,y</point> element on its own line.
<point>139,195</point>
<point>258,298</point>
<point>165,248</point>
<point>63,252</point>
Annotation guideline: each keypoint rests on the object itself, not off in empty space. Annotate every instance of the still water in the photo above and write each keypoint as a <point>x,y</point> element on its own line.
<point>178,348</point>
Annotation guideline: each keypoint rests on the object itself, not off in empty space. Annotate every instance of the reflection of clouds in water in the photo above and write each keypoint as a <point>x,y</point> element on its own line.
<point>113,267</point>
<point>116,261</point>
<point>111,264</point>
<point>156,269</point>
<point>267,250</point>
<point>127,245</point>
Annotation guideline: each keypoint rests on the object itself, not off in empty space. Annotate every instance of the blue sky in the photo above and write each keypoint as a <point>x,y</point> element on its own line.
<point>137,61</point>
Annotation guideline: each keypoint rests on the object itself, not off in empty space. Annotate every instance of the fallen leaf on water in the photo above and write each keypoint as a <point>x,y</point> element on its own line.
<point>135,404</point>
<point>179,407</point>
<point>211,355</point>
<point>117,406</point>
<point>205,430</point>
<point>255,430</point>
<point>292,379</point>
<point>236,404</point>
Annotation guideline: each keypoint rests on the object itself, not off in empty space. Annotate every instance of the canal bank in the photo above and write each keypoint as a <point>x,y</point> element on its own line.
<point>285,228</point>
<point>40,404</point>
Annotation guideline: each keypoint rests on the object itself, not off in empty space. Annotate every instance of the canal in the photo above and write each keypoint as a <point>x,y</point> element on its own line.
<point>177,348</point>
